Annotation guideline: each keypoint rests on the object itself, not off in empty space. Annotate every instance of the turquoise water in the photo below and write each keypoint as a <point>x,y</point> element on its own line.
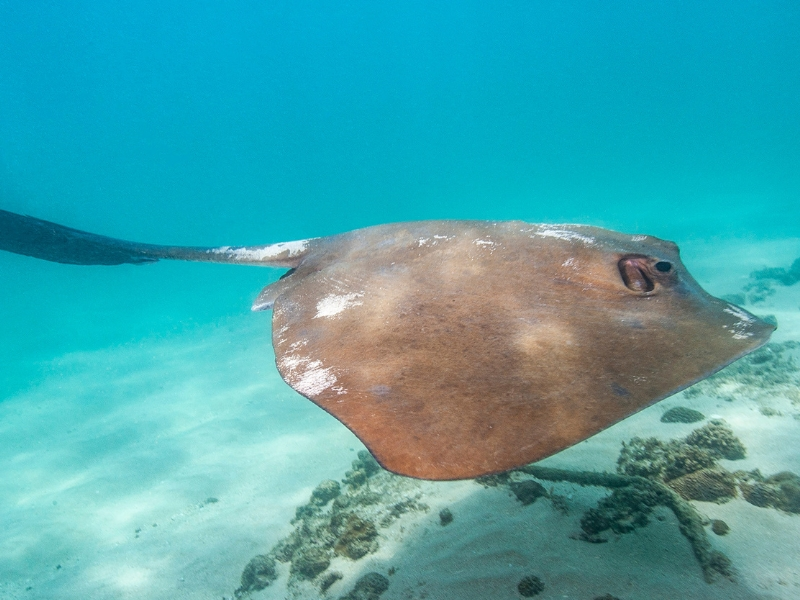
<point>203,123</point>
<point>248,123</point>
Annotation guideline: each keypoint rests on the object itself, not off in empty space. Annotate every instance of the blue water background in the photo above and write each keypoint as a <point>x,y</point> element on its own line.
<point>210,123</point>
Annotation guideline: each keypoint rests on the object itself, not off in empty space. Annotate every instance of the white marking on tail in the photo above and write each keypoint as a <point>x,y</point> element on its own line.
<point>263,253</point>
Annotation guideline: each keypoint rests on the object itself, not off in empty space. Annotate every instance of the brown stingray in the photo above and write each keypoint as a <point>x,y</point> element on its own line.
<point>455,349</point>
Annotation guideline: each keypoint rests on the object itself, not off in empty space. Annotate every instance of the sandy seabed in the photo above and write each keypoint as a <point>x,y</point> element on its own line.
<point>160,469</point>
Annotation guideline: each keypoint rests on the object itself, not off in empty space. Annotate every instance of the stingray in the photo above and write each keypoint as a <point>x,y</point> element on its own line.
<point>455,349</point>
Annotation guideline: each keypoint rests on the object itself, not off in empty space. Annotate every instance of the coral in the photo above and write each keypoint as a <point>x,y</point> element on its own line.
<point>329,579</point>
<point>769,371</point>
<point>445,516</point>
<point>654,459</point>
<point>708,485</point>
<point>789,485</point>
<point>719,439</point>
<point>665,461</point>
<point>761,495</point>
<point>720,527</point>
<point>681,414</point>
<point>530,586</point>
<point>527,491</point>
<point>258,574</point>
<point>325,492</point>
<point>685,459</point>
<point>762,282</point>
<point>643,457</point>
<point>345,520</point>
<point>779,275</point>
<point>322,494</point>
<point>356,537</point>
<point>623,511</point>
<point>398,509</point>
<point>364,467</point>
<point>368,587</point>
<point>758,291</point>
<point>781,491</point>
<point>691,524</point>
<point>341,521</point>
<point>721,564</point>
<point>310,562</point>
<point>401,508</point>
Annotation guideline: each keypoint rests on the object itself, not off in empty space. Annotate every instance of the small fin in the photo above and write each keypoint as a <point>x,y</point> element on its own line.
<point>267,296</point>
<point>38,238</point>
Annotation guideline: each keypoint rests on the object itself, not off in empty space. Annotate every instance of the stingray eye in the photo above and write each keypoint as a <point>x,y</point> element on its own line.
<point>633,270</point>
<point>663,266</point>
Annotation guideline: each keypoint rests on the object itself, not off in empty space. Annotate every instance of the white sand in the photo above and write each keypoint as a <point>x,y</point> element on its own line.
<point>140,437</point>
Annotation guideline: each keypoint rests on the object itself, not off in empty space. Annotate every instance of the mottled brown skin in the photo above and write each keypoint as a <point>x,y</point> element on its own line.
<point>454,349</point>
<point>498,345</point>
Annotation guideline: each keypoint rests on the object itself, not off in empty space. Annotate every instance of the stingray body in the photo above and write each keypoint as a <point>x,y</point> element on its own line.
<point>455,349</point>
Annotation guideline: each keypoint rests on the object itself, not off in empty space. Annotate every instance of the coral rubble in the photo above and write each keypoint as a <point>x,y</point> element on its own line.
<point>337,523</point>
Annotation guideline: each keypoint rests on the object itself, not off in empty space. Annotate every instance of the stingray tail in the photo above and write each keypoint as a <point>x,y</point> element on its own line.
<point>30,236</point>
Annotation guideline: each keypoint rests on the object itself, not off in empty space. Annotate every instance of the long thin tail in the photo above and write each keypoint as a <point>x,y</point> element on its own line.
<point>30,236</point>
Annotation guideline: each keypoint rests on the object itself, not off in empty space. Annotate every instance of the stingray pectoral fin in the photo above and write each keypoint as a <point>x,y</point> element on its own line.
<point>38,238</point>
